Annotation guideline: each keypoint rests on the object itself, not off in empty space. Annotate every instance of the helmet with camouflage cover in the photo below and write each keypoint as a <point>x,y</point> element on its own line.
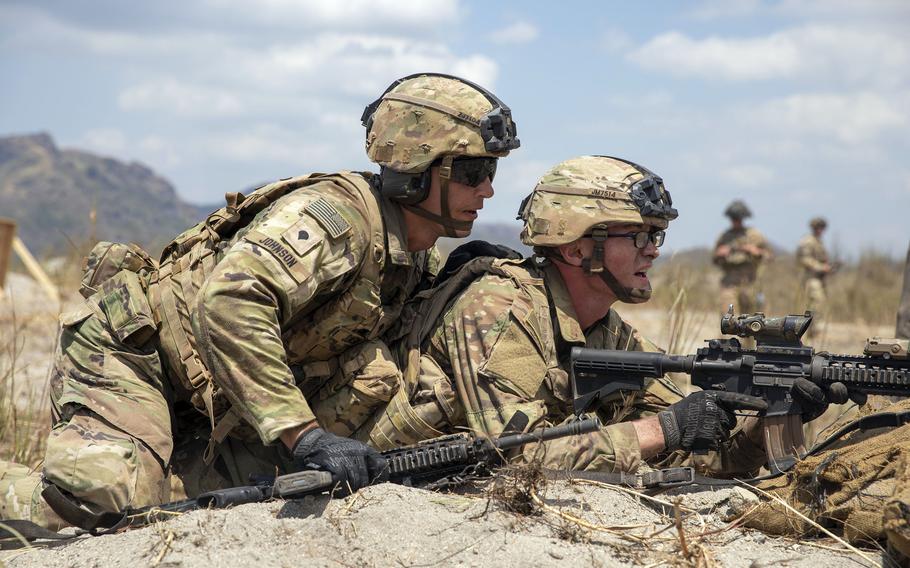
<point>429,119</point>
<point>582,197</point>
<point>818,223</point>
<point>582,193</point>
<point>737,210</point>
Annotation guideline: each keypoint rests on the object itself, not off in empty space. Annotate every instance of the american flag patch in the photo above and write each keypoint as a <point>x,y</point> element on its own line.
<point>328,217</point>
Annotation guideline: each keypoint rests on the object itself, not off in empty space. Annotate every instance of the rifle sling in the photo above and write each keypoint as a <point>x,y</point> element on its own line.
<point>658,478</point>
<point>870,422</point>
<point>78,516</point>
<point>13,531</point>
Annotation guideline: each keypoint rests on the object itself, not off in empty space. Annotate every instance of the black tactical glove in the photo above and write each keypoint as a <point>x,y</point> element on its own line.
<point>814,400</point>
<point>352,464</point>
<point>704,418</point>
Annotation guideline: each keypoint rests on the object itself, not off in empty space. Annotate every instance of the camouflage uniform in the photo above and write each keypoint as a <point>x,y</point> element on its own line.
<point>504,347</point>
<point>502,341</point>
<point>740,269</point>
<point>813,259</point>
<point>175,379</point>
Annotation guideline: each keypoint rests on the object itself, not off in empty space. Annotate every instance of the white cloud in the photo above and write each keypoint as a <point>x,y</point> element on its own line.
<point>172,96</point>
<point>715,9</point>
<point>616,40</point>
<point>266,143</point>
<point>371,14</point>
<point>845,10</point>
<point>746,176</point>
<point>108,141</point>
<point>518,32</point>
<point>838,53</point>
<point>157,150</point>
<point>849,118</point>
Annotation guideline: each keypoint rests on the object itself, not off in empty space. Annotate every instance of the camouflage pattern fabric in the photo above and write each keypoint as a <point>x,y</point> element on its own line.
<point>291,259</point>
<point>847,488</point>
<point>497,350</point>
<point>418,121</point>
<point>813,258</point>
<point>124,432</point>
<point>578,194</point>
<point>740,268</point>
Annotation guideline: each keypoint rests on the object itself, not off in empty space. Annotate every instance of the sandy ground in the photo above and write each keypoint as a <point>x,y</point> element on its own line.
<point>389,525</point>
<point>581,525</point>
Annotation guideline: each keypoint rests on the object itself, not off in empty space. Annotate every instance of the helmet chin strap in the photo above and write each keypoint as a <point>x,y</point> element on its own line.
<point>594,265</point>
<point>448,223</point>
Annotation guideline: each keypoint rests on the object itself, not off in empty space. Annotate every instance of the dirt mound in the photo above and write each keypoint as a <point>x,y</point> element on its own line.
<point>388,525</point>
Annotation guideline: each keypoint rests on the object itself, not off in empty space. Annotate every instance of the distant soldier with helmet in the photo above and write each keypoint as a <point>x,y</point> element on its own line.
<point>176,378</point>
<point>739,252</point>
<point>493,340</point>
<point>816,266</point>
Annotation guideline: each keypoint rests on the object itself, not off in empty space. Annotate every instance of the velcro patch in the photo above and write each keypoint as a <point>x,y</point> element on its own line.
<point>331,220</point>
<point>301,236</point>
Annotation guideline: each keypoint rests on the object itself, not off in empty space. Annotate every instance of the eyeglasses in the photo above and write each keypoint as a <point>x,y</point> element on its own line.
<point>472,171</point>
<point>642,238</point>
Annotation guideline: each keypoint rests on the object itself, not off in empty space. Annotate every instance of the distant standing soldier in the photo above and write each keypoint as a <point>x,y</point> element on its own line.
<point>813,259</point>
<point>739,252</point>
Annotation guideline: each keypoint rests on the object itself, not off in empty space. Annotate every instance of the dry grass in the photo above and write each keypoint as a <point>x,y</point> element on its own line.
<point>24,410</point>
<point>865,291</point>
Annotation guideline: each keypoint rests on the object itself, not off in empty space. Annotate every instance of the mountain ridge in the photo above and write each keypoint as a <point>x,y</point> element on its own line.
<point>51,192</point>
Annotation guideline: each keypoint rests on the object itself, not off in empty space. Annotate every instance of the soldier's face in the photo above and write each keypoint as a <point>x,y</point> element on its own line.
<point>628,264</point>
<point>465,202</point>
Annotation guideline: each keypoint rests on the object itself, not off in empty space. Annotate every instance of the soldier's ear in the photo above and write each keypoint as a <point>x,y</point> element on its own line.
<point>573,253</point>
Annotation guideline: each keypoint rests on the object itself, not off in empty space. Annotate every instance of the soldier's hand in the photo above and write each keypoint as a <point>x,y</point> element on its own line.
<point>352,464</point>
<point>814,400</point>
<point>704,419</point>
<point>722,251</point>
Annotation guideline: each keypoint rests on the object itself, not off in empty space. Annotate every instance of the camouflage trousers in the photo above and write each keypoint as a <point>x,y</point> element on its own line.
<point>742,296</point>
<point>815,298</point>
<point>116,442</point>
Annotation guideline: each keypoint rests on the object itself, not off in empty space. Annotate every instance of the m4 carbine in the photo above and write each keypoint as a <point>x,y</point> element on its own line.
<point>433,464</point>
<point>768,371</point>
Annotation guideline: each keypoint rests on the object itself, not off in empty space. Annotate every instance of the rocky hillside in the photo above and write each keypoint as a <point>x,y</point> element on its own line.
<point>51,193</point>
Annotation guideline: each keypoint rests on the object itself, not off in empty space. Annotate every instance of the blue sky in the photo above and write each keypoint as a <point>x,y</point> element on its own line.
<point>801,108</point>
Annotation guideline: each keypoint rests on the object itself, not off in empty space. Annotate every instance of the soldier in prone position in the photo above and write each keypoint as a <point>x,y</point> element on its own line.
<point>502,332</point>
<point>175,379</point>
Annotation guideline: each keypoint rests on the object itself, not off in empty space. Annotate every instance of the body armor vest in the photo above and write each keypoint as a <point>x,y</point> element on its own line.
<point>186,263</point>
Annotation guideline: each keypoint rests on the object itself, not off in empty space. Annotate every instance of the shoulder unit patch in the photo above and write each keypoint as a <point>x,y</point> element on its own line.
<point>328,217</point>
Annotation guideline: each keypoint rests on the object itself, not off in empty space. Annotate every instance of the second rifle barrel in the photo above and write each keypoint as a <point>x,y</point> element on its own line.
<point>572,428</point>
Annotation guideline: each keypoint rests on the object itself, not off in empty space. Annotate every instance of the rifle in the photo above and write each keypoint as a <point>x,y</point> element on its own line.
<point>433,464</point>
<point>768,371</point>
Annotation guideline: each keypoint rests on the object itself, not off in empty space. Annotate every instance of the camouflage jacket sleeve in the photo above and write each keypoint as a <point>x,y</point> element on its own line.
<point>491,342</point>
<point>290,257</point>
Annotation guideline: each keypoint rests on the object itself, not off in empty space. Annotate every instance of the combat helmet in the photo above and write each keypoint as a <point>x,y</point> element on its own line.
<point>582,197</point>
<point>818,223</point>
<point>737,210</point>
<point>429,119</point>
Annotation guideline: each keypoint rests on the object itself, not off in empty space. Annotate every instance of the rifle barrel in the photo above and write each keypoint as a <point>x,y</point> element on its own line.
<point>584,426</point>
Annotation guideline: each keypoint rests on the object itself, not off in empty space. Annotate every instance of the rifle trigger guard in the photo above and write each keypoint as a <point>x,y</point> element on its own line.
<point>669,477</point>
